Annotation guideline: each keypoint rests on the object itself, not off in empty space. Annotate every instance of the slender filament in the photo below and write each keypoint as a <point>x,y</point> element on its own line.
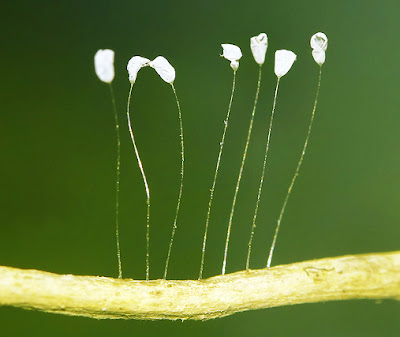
<point>203,251</point>
<point>228,233</point>
<point>181,183</point>
<point>271,252</point>
<point>260,187</point>
<point>117,181</point>
<point>146,185</point>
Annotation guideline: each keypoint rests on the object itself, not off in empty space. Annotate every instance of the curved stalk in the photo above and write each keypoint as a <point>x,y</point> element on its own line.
<point>146,185</point>
<point>178,205</point>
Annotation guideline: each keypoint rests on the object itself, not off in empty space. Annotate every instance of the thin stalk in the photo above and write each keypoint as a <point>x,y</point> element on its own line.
<point>271,252</point>
<point>260,187</point>
<point>118,169</point>
<point>222,142</point>
<point>228,233</point>
<point>174,227</point>
<point>146,185</point>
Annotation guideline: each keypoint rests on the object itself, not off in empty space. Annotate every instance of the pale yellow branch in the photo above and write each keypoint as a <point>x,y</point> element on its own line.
<point>369,276</point>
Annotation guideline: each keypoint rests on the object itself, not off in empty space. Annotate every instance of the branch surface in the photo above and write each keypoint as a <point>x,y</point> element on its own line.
<point>368,276</point>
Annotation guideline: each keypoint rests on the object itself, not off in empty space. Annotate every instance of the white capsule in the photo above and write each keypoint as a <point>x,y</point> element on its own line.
<point>163,68</point>
<point>284,60</point>
<point>319,44</point>
<point>104,65</point>
<point>258,46</point>
<point>134,65</point>
<point>232,53</point>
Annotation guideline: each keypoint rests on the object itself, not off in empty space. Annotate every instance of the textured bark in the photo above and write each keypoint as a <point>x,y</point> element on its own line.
<point>368,276</point>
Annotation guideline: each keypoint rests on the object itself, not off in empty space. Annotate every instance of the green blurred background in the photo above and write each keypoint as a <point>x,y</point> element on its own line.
<point>57,173</point>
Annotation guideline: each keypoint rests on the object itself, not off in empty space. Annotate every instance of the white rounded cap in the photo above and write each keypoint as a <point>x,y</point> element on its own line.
<point>163,68</point>
<point>258,46</point>
<point>232,53</point>
<point>134,65</point>
<point>319,44</point>
<point>319,40</point>
<point>104,65</point>
<point>284,60</point>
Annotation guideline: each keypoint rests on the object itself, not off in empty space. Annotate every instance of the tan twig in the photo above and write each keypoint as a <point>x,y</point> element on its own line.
<point>369,276</point>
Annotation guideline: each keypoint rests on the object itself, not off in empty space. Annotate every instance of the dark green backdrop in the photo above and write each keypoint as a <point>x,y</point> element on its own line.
<point>57,147</point>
